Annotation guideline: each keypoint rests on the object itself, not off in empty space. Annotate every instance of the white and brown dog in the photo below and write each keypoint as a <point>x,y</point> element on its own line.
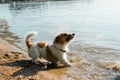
<point>54,53</point>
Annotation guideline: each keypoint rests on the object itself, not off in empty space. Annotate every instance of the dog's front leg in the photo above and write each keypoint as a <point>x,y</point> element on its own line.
<point>66,63</point>
<point>64,60</point>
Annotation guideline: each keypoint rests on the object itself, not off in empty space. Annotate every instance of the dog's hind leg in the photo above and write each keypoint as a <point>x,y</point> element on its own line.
<point>34,54</point>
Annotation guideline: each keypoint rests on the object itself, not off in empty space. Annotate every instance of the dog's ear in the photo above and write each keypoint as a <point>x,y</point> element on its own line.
<point>57,39</point>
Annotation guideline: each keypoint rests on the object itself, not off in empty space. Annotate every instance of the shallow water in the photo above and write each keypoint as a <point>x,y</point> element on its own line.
<point>95,23</point>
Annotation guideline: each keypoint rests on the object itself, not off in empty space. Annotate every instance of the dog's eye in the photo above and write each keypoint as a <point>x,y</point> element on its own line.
<point>65,34</point>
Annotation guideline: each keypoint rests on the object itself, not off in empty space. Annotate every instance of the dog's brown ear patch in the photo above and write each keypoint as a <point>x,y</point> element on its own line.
<point>60,39</point>
<point>56,39</point>
<point>41,44</point>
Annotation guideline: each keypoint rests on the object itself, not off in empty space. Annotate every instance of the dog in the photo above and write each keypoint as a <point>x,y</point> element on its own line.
<point>55,52</point>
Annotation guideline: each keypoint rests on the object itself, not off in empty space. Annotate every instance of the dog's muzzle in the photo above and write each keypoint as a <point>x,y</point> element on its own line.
<point>70,37</point>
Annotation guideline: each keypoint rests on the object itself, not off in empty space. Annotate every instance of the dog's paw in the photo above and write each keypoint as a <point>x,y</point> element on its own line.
<point>53,64</point>
<point>34,62</point>
<point>68,65</point>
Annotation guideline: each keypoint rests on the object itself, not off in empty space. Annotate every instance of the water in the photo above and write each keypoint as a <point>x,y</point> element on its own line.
<point>95,23</point>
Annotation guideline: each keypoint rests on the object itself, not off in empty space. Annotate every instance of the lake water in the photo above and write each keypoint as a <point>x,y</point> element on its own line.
<point>96,24</point>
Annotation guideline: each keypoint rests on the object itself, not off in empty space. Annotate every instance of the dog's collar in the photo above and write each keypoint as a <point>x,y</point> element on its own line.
<point>60,49</point>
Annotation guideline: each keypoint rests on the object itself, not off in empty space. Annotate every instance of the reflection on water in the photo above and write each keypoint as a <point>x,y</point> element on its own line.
<point>22,5</point>
<point>95,22</point>
<point>87,18</point>
<point>6,34</point>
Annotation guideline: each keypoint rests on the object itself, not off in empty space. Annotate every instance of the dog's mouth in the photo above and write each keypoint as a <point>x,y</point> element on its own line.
<point>70,37</point>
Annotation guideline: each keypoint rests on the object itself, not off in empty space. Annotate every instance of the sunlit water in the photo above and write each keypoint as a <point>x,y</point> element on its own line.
<point>96,24</point>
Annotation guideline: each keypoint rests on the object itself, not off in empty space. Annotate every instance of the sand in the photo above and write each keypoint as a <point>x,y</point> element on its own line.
<point>16,65</point>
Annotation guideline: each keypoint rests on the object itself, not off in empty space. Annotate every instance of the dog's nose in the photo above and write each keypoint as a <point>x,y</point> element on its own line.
<point>73,34</point>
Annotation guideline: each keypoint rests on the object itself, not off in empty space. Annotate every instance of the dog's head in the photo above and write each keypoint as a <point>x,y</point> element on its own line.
<point>63,38</point>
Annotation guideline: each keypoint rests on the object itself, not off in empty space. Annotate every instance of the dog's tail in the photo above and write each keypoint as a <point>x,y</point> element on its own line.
<point>28,36</point>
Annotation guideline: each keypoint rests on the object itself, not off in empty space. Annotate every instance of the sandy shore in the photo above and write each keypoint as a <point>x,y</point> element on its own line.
<point>15,65</point>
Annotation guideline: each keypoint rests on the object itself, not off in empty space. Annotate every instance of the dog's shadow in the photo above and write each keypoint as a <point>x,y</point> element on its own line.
<point>28,68</point>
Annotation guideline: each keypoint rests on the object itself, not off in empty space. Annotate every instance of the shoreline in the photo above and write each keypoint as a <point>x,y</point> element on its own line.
<point>15,66</point>
<point>15,63</point>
